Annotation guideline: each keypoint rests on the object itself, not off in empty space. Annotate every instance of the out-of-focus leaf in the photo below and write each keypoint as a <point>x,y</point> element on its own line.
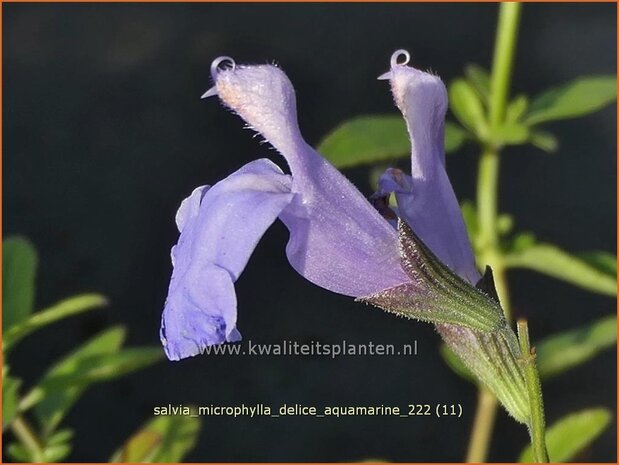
<point>467,107</point>
<point>63,309</point>
<point>366,139</point>
<point>56,453</point>
<point>19,265</point>
<point>10,395</point>
<point>63,385</point>
<point>516,109</point>
<point>544,140</point>
<point>56,449</point>
<point>519,243</point>
<point>550,260</point>
<point>479,80</point>
<point>455,137</point>
<point>58,446</point>
<point>603,261</point>
<point>163,439</point>
<point>505,223</point>
<point>377,138</point>
<point>52,406</point>
<point>511,134</point>
<point>577,98</point>
<point>560,352</point>
<point>469,214</point>
<point>455,364</point>
<point>571,434</point>
<point>19,453</point>
<point>60,437</point>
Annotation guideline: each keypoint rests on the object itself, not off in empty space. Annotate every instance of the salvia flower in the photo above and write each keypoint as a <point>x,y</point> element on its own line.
<point>422,268</point>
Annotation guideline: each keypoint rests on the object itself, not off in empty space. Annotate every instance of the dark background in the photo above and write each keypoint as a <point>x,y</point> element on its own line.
<point>105,134</point>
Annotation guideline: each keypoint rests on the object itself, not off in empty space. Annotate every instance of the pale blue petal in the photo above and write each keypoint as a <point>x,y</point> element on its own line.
<point>219,228</point>
<point>337,239</point>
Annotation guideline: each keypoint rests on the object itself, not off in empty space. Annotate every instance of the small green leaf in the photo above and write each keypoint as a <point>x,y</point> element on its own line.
<point>19,453</point>
<point>61,387</point>
<point>571,434</point>
<point>56,453</point>
<point>550,260</point>
<point>577,98</point>
<point>455,137</point>
<point>479,80</point>
<point>366,139</point>
<point>52,406</point>
<point>63,309</point>
<point>504,224</point>
<point>19,265</point>
<point>602,261</point>
<point>10,397</point>
<point>560,352</point>
<point>467,107</point>
<point>516,109</point>
<point>163,439</point>
<point>60,437</point>
<point>544,140</point>
<point>372,139</point>
<point>519,242</point>
<point>511,134</point>
<point>469,214</point>
<point>453,362</point>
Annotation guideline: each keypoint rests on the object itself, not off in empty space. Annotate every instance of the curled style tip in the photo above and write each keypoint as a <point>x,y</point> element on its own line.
<point>221,63</point>
<point>396,58</point>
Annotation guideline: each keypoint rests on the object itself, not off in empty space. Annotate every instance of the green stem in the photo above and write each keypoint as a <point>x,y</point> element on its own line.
<point>503,60</point>
<point>487,198</point>
<point>23,432</point>
<point>534,390</point>
<point>482,427</point>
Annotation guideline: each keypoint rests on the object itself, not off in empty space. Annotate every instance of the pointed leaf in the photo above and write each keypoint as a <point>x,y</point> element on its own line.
<point>10,398</point>
<point>63,309</point>
<point>57,453</point>
<point>467,107</point>
<point>469,214</point>
<point>479,80</point>
<point>571,434</point>
<point>372,139</point>
<point>366,139</point>
<point>455,137</point>
<point>602,261</point>
<point>511,134</point>
<point>544,140</point>
<point>577,98</point>
<point>19,453</point>
<point>560,352</point>
<point>516,109</point>
<point>89,369</point>
<point>19,265</point>
<point>551,260</point>
<point>162,440</point>
<point>52,406</point>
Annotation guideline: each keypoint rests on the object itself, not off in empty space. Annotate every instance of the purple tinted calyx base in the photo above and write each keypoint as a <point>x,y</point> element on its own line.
<point>435,294</point>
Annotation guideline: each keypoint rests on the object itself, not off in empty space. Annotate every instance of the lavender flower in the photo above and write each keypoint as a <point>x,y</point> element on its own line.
<point>424,269</point>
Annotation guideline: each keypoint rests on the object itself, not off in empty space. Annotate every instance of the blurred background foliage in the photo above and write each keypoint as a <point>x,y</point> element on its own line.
<point>105,134</point>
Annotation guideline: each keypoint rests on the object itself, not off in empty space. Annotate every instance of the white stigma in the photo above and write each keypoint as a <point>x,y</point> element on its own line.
<point>221,63</point>
<point>218,65</point>
<point>397,55</point>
